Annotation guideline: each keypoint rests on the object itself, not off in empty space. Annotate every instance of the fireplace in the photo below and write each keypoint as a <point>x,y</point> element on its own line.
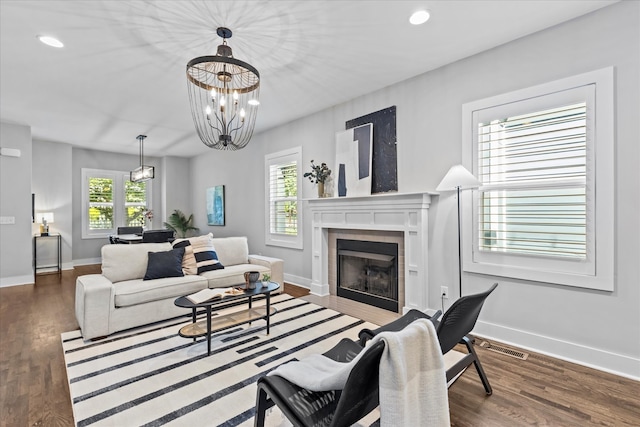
<point>374,218</point>
<point>368,272</point>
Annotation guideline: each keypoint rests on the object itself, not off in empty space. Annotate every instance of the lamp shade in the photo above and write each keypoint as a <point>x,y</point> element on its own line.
<point>46,217</point>
<point>458,177</point>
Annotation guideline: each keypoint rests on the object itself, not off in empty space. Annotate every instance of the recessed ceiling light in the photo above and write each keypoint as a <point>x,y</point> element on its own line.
<point>420,17</point>
<point>50,41</point>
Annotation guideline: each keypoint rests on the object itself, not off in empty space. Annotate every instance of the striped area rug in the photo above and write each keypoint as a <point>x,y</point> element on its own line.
<point>151,376</point>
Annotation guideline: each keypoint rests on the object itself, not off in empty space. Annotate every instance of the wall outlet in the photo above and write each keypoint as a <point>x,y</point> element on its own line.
<point>444,292</point>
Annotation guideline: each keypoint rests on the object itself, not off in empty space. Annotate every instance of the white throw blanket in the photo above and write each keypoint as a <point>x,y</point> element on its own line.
<point>413,389</point>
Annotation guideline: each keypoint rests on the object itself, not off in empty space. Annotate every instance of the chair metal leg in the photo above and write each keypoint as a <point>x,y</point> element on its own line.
<point>476,362</point>
<point>262,404</point>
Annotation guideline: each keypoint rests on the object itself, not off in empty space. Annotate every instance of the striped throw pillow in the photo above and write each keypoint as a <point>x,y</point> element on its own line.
<point>199,255</point>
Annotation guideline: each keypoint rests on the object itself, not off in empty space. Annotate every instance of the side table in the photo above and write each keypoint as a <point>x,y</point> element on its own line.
<point>58,238</point>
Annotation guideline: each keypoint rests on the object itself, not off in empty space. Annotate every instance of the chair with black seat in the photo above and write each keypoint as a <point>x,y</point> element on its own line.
<point>129,230</point>
<point>157,236</point>
<point>328,408</point>
<point>453,328</point>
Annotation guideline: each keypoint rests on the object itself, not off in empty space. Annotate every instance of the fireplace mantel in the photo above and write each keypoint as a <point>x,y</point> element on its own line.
<point>407,213</point>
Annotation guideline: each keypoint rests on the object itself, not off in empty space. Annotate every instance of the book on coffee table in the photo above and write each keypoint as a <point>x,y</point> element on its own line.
<point>209,294</point>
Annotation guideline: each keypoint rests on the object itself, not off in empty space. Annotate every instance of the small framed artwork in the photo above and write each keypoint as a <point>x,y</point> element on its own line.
<point>215,205</point>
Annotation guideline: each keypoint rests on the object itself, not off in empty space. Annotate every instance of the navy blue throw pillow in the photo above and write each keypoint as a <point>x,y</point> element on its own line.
<point>165,264</point>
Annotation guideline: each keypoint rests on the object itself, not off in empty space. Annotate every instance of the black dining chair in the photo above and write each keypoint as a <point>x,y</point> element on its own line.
<point>129,230</point>
<point>452,329</point>
<point>157,236</point>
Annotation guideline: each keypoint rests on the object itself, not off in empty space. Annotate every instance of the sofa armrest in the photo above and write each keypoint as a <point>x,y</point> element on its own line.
<point>276,265</point>
<point>95,299</point>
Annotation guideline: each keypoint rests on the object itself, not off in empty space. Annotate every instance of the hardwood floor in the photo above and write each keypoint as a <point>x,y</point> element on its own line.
<point>539,391</point>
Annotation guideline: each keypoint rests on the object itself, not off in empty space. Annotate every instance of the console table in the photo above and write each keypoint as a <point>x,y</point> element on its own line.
<point>58,239</point>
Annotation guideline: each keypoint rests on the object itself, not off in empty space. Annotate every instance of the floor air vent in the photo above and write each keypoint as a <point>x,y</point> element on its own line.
<point>504,350</point>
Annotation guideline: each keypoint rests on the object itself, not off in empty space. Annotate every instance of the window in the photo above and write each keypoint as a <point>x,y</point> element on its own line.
<point>110,200</point>
<point>544,157</point>
<point>282,178</point>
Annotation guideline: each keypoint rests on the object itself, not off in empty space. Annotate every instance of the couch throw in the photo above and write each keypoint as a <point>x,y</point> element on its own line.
<point>413,389</point>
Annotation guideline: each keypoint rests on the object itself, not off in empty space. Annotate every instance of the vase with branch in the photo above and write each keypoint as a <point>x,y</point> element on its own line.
<point>319,175</point>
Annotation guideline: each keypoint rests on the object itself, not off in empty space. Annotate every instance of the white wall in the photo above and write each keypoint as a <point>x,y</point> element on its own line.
<point>594,328</point>
<point>15,201</point>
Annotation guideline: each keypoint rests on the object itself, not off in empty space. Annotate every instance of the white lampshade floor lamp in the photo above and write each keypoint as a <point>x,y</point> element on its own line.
<point>458,178</point>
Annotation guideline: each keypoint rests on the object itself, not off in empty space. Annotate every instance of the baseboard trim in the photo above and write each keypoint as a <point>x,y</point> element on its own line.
<point>297,280</point>
<point>27,279</point>
<point>602,360</point>
<point>87,261</point>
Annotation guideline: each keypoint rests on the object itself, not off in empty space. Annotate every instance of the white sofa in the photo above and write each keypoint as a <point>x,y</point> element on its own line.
<point>120,299</point>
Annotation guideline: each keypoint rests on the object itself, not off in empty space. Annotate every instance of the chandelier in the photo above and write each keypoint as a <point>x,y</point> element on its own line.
<point>142,173</point>
<point>223,92</point>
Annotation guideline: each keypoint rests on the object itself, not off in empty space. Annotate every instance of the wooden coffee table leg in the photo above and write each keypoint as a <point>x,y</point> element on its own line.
<point>208,330</point>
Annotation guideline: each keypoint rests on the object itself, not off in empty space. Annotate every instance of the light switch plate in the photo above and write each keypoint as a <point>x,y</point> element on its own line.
<point>7,220</point>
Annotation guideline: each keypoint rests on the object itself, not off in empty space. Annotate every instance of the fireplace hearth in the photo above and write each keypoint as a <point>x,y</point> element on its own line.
<point>368,272</point>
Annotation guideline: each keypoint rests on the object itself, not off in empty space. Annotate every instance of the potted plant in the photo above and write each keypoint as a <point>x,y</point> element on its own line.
<point>180,224</point>
<point>318,175</point>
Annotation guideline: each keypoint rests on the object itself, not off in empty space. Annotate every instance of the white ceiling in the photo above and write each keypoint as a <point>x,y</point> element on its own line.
<point>122,70</point>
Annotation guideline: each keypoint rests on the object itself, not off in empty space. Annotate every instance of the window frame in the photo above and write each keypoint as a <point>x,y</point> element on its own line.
<point>275,159</point>
<point>597,270</point>
<point>119,200</point>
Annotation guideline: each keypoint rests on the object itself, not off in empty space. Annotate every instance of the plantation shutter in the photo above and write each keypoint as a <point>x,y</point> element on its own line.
<point>100,203</point>
<point>283,196</point>
<point>533,170</point>
<point>135,202</point>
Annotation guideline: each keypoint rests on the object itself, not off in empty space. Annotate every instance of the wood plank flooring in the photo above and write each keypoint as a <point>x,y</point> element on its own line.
<point>540,391</point>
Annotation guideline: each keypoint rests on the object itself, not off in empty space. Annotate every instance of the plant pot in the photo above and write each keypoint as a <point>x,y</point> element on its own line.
<point>321,189</point>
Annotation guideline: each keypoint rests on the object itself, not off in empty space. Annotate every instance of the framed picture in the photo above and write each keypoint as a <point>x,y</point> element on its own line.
<point>215,205</point>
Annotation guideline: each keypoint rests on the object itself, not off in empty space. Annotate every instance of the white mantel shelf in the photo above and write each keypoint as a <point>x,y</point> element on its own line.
<point>407,213</point>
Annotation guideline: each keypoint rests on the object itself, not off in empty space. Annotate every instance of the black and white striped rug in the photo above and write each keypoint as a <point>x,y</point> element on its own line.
<point>151,376</point>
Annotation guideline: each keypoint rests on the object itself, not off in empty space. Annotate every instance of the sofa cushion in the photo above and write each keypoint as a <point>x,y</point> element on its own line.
<point>164,264</point>
<point>204,253</point>
<point>128,262</point>
<point>232,250</point>
<point>133,292</point>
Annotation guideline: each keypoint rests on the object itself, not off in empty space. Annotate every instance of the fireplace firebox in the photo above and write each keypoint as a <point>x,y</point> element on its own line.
<point>368,272</point>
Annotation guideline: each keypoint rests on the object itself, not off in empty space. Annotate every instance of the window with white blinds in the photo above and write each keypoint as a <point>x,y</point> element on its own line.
<point>544,159</point>
<point>110,200</point>
<point>284,198</point>
<point>533,170</point>
<point>282,177</point>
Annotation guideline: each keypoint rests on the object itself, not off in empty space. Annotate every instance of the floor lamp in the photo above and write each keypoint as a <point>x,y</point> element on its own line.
<point>458,178</point>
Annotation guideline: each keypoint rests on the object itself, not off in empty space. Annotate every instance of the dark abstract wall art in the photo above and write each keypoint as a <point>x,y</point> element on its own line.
<point>384,177</point>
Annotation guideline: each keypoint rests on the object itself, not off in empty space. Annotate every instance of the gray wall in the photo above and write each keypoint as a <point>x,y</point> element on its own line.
<point>15,201</point>
<point>51,184</point>
<point>595,328</point>
<point>175,175</point>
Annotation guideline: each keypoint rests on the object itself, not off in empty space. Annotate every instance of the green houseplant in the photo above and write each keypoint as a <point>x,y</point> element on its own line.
<point>179,223</point>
